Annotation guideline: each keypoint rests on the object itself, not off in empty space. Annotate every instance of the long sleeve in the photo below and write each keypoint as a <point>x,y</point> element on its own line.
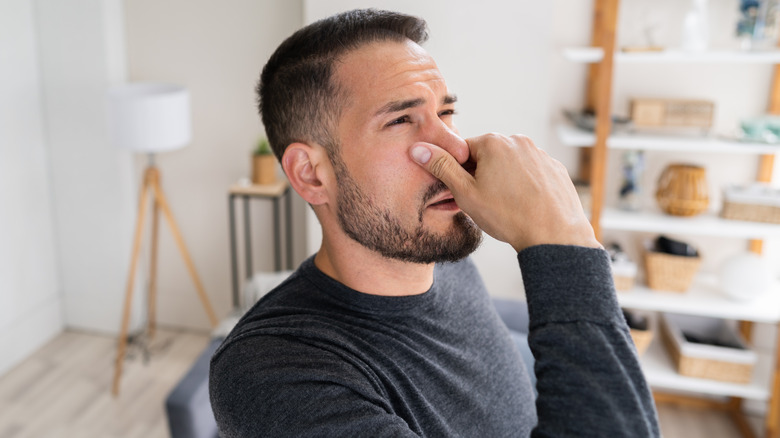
<point>589,380</point>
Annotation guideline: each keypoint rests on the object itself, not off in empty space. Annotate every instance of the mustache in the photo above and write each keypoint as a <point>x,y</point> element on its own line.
<point>433,191</point>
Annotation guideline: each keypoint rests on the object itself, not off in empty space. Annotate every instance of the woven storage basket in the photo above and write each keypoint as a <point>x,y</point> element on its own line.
<point>642,339</point>
<point>751,212</point>
<point>670,272</point>
<point>623,283</point>
<point>738,371</point>
<point>682,190</point>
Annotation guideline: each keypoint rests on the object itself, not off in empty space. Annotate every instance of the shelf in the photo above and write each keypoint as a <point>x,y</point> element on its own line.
<point>570,135</point>
<point>704,299</point>
<point>660,372</point>
<point>706,224</point>
<point>273,190</point>
<point>674,56</point>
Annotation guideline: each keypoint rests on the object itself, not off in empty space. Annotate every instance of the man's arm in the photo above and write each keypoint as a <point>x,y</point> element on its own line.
<point>272,386</point>
<point>588,375</point>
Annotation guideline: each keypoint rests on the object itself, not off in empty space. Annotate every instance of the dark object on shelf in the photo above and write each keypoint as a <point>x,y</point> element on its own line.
<point>675,247</point>
<point>711,340</point>
<point>635,321</point>
<point>586,120</point>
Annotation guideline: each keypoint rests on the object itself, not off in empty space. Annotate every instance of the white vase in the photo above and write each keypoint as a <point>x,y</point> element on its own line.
<point>696,32</point>
<point>745,276</point>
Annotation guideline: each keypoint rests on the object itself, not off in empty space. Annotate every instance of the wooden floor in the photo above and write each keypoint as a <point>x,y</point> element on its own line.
<point>63,391</point>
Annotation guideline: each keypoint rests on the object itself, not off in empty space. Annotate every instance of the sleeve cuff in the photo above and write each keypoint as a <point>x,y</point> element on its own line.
<point>568,283</point>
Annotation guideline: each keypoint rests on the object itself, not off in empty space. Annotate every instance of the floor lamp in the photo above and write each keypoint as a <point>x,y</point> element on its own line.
<point>151,118</point>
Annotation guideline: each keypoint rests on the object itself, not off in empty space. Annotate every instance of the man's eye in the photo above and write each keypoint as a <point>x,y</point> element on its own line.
<point>449,112</point>
<point>399,121</point>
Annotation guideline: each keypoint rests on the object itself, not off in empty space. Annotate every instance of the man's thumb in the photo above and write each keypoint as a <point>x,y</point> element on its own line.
<point>442,165</point>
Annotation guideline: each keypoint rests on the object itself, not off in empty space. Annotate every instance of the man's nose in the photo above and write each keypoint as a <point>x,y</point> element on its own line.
<point>448,139</point>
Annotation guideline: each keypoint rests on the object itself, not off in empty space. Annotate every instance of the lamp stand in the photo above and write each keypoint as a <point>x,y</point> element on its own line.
<point>151,183</point>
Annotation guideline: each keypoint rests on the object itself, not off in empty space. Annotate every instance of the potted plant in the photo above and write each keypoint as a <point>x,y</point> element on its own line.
<point>263,163</point>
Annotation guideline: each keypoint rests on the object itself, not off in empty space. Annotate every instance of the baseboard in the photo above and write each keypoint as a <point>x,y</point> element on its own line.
<point>23,336</point>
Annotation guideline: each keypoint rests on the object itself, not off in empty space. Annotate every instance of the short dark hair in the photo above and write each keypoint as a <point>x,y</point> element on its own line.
<point>298,100</point>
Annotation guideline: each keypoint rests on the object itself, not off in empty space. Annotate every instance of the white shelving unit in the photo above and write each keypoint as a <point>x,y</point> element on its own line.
<point>590,55</point>
<point>704,297</point>
<point>702,225</point>
<point>573,136</point>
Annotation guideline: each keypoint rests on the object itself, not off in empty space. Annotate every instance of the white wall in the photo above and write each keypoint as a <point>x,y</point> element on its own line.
<point>495,55</point>
<point>30,303</point>
<point>81,56</point>
<point>216,49</point>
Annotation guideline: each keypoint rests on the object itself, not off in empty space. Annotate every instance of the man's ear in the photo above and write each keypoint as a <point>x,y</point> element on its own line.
<point>307,167</point>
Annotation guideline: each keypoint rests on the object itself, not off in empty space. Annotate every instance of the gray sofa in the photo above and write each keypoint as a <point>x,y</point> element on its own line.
<point>189,411</point>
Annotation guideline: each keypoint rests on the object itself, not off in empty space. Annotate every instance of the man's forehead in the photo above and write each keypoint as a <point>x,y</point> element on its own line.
<point>387,66</point>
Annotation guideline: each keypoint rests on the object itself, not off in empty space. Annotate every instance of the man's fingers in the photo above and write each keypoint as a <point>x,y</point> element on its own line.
<point>443,166</point>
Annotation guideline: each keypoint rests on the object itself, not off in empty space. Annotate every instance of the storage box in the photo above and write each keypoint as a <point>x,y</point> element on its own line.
<point>757,202</point>
<point>702,360</point>
<point>669,272</point>
<point>624,273</point>
<point>672,113</point>
<point>640,328</point>
<point>642,339</point>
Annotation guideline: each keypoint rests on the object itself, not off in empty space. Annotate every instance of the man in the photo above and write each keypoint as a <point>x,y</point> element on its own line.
<point>387,330</point>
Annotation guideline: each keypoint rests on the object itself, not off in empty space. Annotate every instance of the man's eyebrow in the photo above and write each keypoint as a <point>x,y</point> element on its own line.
<point>400,105</point>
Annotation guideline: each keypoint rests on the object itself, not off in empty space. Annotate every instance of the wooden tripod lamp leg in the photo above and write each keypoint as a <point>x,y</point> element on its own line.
<point>183,249</point>
<point>152,304</point>
<point>139,227</point>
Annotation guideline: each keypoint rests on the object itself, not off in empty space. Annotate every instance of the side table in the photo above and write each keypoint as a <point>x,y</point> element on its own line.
<point>274,192</point>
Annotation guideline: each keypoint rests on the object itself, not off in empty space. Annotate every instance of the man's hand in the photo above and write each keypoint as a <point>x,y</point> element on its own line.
<point>518,194</point>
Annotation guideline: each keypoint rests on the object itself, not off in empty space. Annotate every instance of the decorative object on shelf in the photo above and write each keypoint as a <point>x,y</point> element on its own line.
<point>649,37</point>
<point>682,190</point>
<point>672,113</point>
<point>745,276</point>
<point>675,247</point>
<point>630,187</point>
<point>671,265</point>
<point>151,118</point>
<point>696,30</point>
<point>639,327</point>
<point>263,163</point>
<point>707,348</point>
<point>623,269</point>
<point>756,202</point>
<point>759,24</point>
<point>764,129</point>
<point>586,120</point>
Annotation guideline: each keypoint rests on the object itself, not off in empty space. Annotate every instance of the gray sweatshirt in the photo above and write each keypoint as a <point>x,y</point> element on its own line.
<point>315,358</point>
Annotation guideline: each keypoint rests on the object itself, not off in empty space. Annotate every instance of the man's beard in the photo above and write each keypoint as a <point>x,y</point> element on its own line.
<point>380,230</point>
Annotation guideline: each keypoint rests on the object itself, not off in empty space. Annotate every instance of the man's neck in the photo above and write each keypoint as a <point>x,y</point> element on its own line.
<point>367,271</point>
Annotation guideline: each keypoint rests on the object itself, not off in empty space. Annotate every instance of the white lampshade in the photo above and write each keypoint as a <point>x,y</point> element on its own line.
<point>150,117</point>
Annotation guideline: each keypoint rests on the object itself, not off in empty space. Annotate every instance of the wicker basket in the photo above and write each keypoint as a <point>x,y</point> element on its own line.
<point>706,361</point>
<point>642,339</point>
<point>682,190</point>
<point>751,212</point>
<point>670,272</point>
<point>623,283</point>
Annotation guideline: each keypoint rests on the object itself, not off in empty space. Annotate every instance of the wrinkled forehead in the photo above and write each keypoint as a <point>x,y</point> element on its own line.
<point>386,70</point>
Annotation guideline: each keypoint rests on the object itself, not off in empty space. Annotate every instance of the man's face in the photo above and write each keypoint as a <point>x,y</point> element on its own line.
<point>396,96</point>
